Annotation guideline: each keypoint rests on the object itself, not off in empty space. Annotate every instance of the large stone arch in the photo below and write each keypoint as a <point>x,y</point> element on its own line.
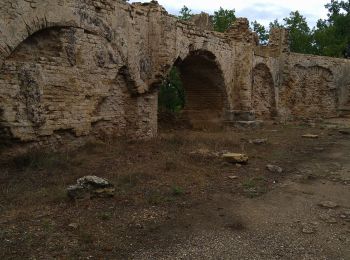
<point>205,89</point>
<point>24,18</point>
<point>68,80</point>
<point>108,19</point>
<point>263,92</point>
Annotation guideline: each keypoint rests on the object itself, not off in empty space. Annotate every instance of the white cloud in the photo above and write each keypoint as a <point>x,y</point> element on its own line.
<point>262,11</point>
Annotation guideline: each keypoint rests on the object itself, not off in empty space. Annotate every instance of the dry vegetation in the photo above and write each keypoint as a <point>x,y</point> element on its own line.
<point>156,182</point>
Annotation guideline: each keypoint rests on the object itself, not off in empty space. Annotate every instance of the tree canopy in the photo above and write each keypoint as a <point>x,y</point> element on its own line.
<point>299,33</point>
<point>261,31</point>
<point>185,13</point>
<point>332,35</point>
<point>223,18</point>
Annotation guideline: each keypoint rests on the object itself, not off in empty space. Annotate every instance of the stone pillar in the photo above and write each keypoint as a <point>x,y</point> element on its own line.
<point>243,42</point>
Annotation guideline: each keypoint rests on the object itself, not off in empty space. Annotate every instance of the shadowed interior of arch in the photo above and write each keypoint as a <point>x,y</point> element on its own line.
<point>204,90</point>
<point>263,92</point>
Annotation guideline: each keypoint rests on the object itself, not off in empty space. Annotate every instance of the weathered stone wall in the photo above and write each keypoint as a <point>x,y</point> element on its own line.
<point>305,86</point>
<point>81,68</point>
<point>313,87</point>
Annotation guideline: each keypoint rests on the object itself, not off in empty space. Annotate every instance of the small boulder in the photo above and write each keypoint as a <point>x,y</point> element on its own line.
<point>91,187</point>
<point>308,228</point>
<point>73,225</point>
<point>236,158</point>
<point>274,168</point>
<point>328,204</point>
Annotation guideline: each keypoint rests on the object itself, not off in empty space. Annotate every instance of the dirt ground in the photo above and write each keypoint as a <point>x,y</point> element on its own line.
<point>176,198</point>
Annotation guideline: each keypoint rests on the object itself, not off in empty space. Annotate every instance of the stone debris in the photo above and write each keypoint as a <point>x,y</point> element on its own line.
<point>274,168</point>
<point>73,225</point>
<point>308,228</point>
<point>236,158</point>
<point>328,204</point>
<point>345,215</point>
<point>91,187</point>
<point>310,136</point>
<point>232,177</point>
<point>258,141</point>
<point>328,219</point>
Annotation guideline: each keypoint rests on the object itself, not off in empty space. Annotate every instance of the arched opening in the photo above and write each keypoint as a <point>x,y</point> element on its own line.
<point>203,90</point>
<point>263,93</point>
<point>64,81</point>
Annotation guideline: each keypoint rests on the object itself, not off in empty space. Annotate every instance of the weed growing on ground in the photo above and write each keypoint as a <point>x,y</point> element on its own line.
<point>177,191</point>
<point>249,183</point>
<point>105,216</point>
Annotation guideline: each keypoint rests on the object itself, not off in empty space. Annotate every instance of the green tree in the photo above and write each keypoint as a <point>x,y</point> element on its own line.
<point>299,33</point>
<point>275,24</point>
<point>261,31</point>
<point>172,94</point>
<point>332,36</point>
<point>185,13</point>
<point>223,19</point>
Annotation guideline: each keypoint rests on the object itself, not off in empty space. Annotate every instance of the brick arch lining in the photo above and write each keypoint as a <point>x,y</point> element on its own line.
<point>205,92</point>
<point>66,79</point>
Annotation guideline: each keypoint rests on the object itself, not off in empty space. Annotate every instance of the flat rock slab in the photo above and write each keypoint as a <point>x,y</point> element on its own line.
<point>308,229</point>
<point>328,204</point>
<point>236,158</point>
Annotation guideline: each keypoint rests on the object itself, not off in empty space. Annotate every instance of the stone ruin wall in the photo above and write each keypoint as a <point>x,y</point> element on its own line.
<point>90,67</point>
<point>71,69</point>
<point>314,87</point>
<point>304,86</point>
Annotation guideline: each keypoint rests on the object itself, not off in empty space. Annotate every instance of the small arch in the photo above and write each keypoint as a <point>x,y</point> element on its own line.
<point>263,92</point>
<point>204,88</point>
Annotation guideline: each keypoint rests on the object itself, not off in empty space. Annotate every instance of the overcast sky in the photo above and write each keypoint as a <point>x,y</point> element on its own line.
<point>263,11</point>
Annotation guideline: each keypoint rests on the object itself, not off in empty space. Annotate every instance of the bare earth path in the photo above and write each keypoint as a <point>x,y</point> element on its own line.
<point>287,223</point>
<point>176,200</point>
<point>278,224</point>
